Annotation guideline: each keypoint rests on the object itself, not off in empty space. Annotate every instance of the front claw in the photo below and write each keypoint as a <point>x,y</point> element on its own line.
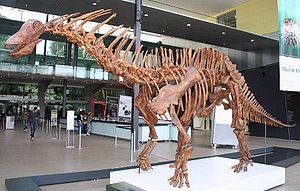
<point>179,179</point>
<point>144,163</point>
<point>243,165</point>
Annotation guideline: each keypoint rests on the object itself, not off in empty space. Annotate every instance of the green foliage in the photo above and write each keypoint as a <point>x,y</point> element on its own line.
<point>18,89</point>
<point>57,48</point>
<point>99,95</point>
<point>54,93</point>
<point>3,37</point>
<point>83,54</point>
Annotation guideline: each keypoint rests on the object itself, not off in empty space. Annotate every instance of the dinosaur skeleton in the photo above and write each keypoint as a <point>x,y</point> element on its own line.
<point>185,83</point>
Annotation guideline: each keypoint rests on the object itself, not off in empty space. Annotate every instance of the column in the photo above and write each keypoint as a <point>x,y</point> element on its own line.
<point>89,92</point>
<point>137,33</point>
<point>64,101</point>
<point>41,96</point>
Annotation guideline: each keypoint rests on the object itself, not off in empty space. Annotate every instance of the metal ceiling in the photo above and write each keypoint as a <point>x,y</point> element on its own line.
<point>158,22</point>
<point>202,7</point>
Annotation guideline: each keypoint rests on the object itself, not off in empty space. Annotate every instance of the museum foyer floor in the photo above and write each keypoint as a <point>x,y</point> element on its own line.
<point>19,156</point>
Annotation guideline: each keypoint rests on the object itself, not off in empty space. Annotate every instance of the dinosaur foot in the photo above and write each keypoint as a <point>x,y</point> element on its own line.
<point>243,165</point>
<point>180,177</point>
<point>144,163</point>
<point>143,160</point>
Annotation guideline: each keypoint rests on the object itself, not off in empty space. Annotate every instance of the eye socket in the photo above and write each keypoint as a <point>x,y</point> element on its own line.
<point>36,25</point>
<point>286,22</point>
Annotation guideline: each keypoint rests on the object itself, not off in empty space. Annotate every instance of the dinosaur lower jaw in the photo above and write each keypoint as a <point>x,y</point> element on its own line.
<point>17,48</point>
<point>21,49</point>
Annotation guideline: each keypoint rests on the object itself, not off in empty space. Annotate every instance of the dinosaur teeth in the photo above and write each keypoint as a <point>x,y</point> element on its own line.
<point>17,47</point>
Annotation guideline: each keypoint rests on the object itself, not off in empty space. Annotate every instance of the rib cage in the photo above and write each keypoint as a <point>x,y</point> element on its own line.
<point>161,66</point>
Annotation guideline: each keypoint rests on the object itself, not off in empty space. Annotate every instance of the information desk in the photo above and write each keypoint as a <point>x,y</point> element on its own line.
<point>109,128</point>
<point>165,130</point>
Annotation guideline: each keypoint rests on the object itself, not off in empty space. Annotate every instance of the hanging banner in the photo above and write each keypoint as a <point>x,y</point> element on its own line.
<point>125,106</point>
<point>111,107</point>
<point>289,44</point>
<point>53,118</point>
<point>70,120</point>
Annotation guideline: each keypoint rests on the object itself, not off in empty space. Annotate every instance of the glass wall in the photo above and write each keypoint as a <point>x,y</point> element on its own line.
<point>56,57</point>
<point>228,19</point>
<point>55,53</point>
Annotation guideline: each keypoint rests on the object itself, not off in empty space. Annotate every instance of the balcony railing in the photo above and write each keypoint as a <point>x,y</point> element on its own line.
<point>57,70</point>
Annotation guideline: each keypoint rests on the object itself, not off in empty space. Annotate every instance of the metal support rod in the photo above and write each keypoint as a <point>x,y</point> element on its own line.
<point>69,144</point>
<point>50,131</point>
<point>59,131</point>
<point>79,138</point>
<point>73,139</point>
<point>48,127</point>
<point>287,115</point>
<point>116,136</point>
<point>265,155</point>
<point>131,147</point>
<point>67,138</point>
<point>135,113</point>
<point>42,125</point>
<point>56,131</point>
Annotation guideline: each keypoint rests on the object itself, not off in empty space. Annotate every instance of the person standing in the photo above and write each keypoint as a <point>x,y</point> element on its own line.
<point>25,116</point>
<point>33,117</point>
<point>83,122</point>
<point>89,121</point>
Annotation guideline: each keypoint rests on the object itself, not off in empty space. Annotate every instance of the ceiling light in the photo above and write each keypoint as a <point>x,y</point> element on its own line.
<point>163,31</point>
<point>223,33</point>
<point>146,15</point>
<point>94,3</point>
<point>252,40</point>
<point>188,24</point>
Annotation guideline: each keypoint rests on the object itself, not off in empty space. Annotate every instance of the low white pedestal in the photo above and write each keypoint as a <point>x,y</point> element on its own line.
<point>214,174</point>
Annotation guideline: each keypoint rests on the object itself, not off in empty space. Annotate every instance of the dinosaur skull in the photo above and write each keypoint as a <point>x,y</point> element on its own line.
<point>25,39</point>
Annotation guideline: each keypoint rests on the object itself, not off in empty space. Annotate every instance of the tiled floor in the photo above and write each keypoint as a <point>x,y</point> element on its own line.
<point>19,156</point>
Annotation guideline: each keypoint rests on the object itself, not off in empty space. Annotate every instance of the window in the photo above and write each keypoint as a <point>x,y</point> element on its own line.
<point>85,60</point>
<point>228,19</point>
<point>4,56</point>
<point>55,53</point>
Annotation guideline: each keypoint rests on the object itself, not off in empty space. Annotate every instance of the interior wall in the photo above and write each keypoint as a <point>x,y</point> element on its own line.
<point>256,16</point>
<point>263,82</point>
<point>252,59</point>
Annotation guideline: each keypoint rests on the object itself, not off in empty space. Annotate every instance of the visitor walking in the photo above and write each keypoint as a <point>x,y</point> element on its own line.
<point>33,117</point>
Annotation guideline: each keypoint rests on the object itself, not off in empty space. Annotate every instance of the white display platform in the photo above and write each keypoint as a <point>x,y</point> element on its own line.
<point>212,173</point>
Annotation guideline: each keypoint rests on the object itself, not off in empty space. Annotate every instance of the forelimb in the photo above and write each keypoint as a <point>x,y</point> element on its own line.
<point>183,152</point>
<point>238,125</point>
<point>142,103</point>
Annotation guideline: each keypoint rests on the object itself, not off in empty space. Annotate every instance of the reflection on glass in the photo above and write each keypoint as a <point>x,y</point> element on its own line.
<point>85,60</point>
<point>55,52</point>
